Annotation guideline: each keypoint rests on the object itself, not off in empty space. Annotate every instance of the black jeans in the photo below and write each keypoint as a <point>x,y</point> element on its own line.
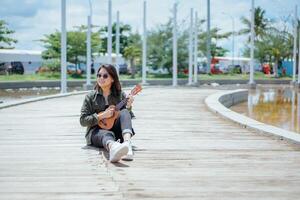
<point>101,137</point>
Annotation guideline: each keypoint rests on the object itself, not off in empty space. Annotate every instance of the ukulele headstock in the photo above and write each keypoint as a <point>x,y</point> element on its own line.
<point>136,89</point>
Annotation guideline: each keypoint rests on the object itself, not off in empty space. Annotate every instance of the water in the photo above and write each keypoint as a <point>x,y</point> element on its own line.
<point>276,105</point>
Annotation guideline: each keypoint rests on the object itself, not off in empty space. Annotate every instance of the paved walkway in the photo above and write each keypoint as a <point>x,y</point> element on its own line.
<point>182,151</point>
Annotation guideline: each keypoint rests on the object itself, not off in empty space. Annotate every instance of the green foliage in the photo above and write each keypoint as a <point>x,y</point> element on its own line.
<point>125,37</point>
<point>52,65</point>
<point>133,52</point>
<point>160,48</point>
<point>76,45</point>
<point>4,36</point>
<point>262,24</point>
<point>272,43</point>
<point>216,36</point>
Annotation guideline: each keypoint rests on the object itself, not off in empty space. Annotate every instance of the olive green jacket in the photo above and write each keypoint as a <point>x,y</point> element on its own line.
<point>94,103</point>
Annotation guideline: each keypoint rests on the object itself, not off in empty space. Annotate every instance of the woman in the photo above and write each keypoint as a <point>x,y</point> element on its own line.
<point>107,91</point>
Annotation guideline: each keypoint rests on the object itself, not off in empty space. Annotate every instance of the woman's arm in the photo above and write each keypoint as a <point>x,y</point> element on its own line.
<point>88,116</point>
<point>129,108</point>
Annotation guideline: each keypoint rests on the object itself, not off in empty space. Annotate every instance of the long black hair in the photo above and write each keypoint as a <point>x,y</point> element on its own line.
<point>116,86</point>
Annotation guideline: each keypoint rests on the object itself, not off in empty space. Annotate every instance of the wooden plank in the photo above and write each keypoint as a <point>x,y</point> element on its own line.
<point>182,151</point>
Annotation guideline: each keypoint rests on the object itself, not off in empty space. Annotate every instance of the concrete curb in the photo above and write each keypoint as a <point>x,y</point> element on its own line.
<point>35,99</point>
<point>16,103</point>
<point>219,102</point>
<point>80,83</point>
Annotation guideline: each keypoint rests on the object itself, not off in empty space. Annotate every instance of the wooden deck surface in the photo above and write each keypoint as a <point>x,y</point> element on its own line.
<point>182,151</point>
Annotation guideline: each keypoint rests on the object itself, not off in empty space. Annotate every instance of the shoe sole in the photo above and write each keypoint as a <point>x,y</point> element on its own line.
<point>127,159</point>
<point>122,151</point>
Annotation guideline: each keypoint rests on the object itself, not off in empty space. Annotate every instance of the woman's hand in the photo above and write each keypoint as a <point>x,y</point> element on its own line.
<point>129,101</point>
<point>108,113</point>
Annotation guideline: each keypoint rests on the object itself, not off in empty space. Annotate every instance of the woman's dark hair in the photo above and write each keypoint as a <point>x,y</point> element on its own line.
<point>116,86</point>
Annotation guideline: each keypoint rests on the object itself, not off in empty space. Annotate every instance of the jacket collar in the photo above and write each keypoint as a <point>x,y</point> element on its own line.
<point>99,91</point>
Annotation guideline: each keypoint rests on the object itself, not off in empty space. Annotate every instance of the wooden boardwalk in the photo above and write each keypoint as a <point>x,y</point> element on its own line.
<point>182,151</point>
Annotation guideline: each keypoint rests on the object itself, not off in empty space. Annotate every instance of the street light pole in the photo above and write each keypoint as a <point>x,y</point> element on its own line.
<point>191,48</point>
<point>251,81</point>
<point>233,34</point>
<point>63,59</point>
<point>298,60</point>
<point>175,45</point>
<point>196,48</point>
<point>295,46</point>
<point>109,38</point>
<point>118,42</point>
<point>144,45</point>
<point>88,49</point>
<point>208,38</point>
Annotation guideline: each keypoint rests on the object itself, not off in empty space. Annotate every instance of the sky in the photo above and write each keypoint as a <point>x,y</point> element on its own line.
<point>32,19</point>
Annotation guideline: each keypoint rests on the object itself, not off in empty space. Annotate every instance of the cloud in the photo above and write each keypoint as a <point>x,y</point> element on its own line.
<point>31,19</point>
<point>25,8</point>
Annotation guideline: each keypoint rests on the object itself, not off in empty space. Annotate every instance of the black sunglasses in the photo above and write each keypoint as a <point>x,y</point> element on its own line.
<point>105,75</point>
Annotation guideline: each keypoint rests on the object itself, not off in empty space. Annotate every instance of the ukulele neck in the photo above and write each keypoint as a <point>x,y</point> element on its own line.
<point>121,104</point>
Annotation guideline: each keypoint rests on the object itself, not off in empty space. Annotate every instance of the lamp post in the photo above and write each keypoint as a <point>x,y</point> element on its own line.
<point>88,84</point>
<point>190,79</point>
<point>63,55</point>
<point>144,44</point>
<point>208,38</point>
<point>295,46</point>
<point>175,45</point>
<point>196,48</point>
<point>118,42</point>
<point>232,48</point>
<point>109,38</point>
<point>251,81</point>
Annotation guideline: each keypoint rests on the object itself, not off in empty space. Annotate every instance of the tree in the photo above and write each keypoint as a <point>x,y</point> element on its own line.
<point>5,39</point>
<point>215,37</point>
<point>133,52</point>
<point>76,45</point>
<point>160,48</point>
<point>261,24</point>
<point>125,31</point>
<point>277,45</point>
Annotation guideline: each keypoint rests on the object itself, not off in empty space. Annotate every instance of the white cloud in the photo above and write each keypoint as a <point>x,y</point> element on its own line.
<point>31,19</point>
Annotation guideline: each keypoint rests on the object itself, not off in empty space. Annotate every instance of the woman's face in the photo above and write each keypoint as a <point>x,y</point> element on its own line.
<point>104,80</point>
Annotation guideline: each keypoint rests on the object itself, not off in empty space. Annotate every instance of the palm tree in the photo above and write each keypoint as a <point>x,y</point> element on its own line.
<point>277,44</point>
<point>261,24</point>
<point>216,36</point>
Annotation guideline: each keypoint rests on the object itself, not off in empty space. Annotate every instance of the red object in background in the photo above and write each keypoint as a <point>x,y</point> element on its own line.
<point>266,68</point>
<point>283,71</point>
<point>214,69</point>
<point>185,71</point>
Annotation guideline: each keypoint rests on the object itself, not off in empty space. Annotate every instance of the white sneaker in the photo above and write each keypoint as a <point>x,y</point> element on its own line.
<point>129,156</point>
<point>117,151</point>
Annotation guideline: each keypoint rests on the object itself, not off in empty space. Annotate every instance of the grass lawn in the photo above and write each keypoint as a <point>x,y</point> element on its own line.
<point>56,76</point>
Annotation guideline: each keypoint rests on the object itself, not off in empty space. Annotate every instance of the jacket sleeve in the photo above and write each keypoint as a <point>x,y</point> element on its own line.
<point>129,109</point>
<point>88,116</point>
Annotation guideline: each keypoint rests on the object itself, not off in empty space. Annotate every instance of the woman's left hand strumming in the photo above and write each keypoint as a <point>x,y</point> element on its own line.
<point>129,101</point>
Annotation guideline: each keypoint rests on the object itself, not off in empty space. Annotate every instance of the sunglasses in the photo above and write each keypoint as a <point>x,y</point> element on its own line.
<point>105,75</point>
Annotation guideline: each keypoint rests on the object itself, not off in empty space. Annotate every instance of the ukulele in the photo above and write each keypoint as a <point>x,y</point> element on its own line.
<point>108,123</point>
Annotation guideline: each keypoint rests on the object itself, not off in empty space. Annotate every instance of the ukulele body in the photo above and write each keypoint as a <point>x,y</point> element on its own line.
<point>108,123</point>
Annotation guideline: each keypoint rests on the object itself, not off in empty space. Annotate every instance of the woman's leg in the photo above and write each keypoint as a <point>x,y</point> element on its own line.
<point>104,138</point>
<point>123,126</point>
<point>123,130</point>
